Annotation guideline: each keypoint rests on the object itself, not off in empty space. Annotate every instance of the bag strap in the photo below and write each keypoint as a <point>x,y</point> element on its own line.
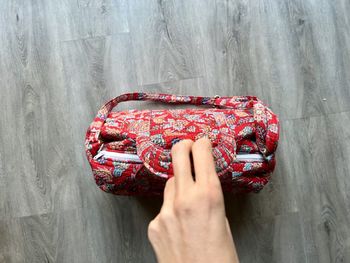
<point>217,101</point>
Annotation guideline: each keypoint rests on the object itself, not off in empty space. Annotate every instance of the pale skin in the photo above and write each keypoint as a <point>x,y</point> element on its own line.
<point>192,225</point>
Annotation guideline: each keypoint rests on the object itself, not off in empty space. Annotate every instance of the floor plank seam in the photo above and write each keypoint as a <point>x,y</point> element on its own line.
<point>314,116</point>
<point>170,81</point>
<point>93,37</point>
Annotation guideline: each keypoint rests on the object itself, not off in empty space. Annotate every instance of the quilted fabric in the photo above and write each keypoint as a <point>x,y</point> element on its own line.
<point>239,124</point>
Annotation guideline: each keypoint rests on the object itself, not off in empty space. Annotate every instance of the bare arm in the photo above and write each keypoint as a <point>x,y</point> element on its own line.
<point>192,224</point>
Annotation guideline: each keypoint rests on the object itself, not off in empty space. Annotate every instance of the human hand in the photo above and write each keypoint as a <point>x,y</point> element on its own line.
<point>192,224</point>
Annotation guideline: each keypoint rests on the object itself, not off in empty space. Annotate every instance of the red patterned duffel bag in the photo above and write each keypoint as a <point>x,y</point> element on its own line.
<point>130,151</point>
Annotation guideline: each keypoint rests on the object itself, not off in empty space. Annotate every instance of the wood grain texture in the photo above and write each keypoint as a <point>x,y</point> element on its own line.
<point>61,60</point>
<point>166,45</point>
<point>26,121</point>
<point>277,50</point>
<point>88,18</point>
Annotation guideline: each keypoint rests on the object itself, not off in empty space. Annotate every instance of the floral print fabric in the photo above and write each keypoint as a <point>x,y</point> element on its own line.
<point>239,124</point>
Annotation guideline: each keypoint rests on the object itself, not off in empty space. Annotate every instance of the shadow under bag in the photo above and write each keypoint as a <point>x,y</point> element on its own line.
<point>130,151</point>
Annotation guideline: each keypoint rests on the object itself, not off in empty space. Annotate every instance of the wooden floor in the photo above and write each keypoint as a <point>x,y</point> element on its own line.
<point>60,60</point>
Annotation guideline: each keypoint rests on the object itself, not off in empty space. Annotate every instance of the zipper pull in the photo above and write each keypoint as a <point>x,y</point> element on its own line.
<point>100,154</point>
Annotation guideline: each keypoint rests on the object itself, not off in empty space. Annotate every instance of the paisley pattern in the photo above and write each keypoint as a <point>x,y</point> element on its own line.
<point>235,124</point>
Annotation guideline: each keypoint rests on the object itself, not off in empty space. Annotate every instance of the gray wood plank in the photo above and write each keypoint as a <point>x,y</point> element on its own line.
<point>165,44</point>
<point>328,202</point>
<point>3,182</point>
<point>11,242</point>
<point>26,125</point>
<point>87,19</point>
<point>274,49</point>
<point>253,238</point>
<point>330,33</point>
<point>61,60</point>
<point>79,235</point>
<point>269,239</point>
<point>316,147</point>
<point>288,244</point>
<point>95,71</point>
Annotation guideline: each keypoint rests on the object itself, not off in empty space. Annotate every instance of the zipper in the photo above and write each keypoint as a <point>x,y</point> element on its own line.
<point>246,157</point>
<point>118,156</point>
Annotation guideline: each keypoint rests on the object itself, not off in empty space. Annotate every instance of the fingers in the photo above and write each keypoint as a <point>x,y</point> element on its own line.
<point>203,160</point>
<point>180,153</point>
<point>169,195</point>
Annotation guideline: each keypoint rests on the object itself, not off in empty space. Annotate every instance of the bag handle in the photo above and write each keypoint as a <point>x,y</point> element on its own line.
<point>217,101</point>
